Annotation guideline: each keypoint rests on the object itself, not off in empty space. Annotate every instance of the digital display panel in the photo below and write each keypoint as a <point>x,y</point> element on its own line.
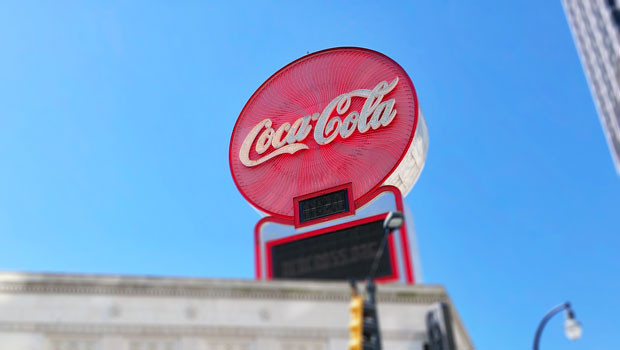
<point>337,255</point>
<point>322,206</point>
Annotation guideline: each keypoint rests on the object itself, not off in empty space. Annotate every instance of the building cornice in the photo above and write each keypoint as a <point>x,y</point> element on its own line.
<point>23,283</point>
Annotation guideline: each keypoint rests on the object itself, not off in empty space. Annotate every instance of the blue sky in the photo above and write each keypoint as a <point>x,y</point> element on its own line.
<point>115,119</point>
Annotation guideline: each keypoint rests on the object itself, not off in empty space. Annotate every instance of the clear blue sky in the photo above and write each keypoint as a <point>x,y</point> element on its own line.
<point>115,119</point>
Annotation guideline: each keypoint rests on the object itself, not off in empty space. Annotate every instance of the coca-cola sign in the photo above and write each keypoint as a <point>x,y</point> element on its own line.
<point>342,115</point>
<point>374,113</point>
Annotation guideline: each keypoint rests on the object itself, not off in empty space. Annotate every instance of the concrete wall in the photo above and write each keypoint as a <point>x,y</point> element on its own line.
<point>77,312</point>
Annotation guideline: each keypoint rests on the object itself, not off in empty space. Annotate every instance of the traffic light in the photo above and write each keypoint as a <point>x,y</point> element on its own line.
<point>439,328</point>
<point>355,325</point>
<point>364,324</point>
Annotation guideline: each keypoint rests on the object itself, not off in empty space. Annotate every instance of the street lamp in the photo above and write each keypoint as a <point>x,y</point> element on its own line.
<point>572,328</point>
<point>393,221</point>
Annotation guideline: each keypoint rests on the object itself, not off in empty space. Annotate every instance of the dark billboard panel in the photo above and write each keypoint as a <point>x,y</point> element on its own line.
<point>337,255</point>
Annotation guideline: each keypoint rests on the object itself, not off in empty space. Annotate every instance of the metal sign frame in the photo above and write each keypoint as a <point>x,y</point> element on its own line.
<point>270,230</point>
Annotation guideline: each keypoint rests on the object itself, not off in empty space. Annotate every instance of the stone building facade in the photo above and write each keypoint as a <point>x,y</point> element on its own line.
<point>86,312</point>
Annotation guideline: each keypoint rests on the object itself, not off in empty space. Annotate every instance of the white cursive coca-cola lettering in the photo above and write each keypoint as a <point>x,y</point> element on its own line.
<point>288,138</point>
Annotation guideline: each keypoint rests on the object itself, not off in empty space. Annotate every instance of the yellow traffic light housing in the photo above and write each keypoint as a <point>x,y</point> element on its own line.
<point>356,307</point>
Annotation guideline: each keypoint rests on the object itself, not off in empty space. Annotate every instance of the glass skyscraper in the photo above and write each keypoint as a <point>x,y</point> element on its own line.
<point>595,25</point>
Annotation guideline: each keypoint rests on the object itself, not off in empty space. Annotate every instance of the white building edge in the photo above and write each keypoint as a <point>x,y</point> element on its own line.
<point>597,38</point>
<point>99,312</point>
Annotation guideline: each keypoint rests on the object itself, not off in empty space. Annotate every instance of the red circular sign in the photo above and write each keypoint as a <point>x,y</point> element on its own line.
<point>342,115</point>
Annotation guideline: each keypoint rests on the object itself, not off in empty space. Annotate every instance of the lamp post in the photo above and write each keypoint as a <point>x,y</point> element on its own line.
<point>393,221</point>
<point>370,329</point>
<point>572,328</point>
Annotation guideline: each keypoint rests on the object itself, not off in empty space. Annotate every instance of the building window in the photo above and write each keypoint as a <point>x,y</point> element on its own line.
<point>615,14</point>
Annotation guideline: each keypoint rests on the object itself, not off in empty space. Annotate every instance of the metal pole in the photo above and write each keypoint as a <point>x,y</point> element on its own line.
<point>379,254</point>
<point>371,289</point>
<point>548,316</point>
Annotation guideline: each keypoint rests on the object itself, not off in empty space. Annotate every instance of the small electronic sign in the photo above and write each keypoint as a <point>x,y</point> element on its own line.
<point>337,255</point>
<point>328,204</point>
<point>324,205</point>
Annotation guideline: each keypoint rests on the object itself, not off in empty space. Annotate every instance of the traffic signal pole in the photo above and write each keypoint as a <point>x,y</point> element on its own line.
<point>370,329</point>
<point>364,324</point>
<point>368,317</point>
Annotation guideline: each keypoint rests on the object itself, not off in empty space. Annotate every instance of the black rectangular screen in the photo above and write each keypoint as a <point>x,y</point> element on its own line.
<point>338,255</point>
<point>325,205</point>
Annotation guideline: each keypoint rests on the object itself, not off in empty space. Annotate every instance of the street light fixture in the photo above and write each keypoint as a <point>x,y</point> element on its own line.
<point>393,221</point>
<point>572,328</point>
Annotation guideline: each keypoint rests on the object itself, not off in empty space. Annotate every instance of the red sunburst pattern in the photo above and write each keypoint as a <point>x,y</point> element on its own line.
<point>302,88</point>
